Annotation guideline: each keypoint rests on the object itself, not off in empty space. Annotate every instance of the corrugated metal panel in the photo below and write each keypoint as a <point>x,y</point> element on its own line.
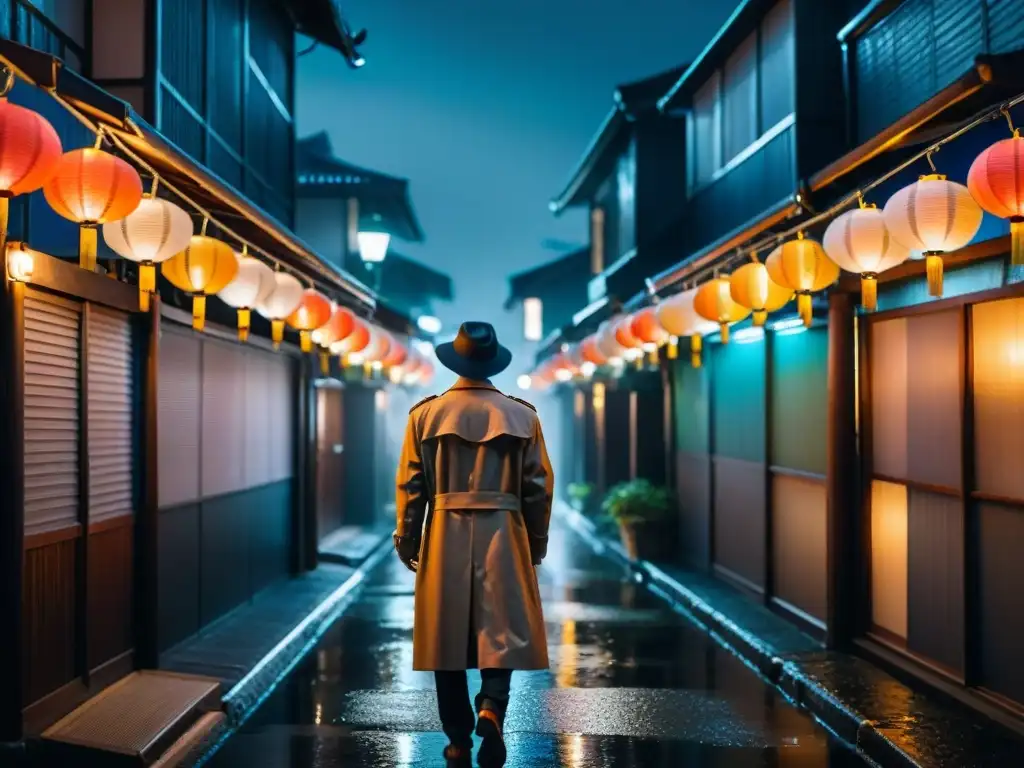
<point>778,64</point>
<point>739,99</point>
<point>52,404</point>
<point>1005,25</point>
<point>224,424</point>
<point>958,38</point>
<point>109,410</point>
<point>178,416</point>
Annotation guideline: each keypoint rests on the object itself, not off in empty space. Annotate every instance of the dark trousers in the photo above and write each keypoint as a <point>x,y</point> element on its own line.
<point>453,704</point>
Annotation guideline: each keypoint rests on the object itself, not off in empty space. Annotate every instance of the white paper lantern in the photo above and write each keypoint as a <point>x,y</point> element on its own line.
<point>678,316</point>
<point>280,302</point>
<point>149,235</point>
<point>253,283</point>
<point>935,216</point>
<point>859,242</point>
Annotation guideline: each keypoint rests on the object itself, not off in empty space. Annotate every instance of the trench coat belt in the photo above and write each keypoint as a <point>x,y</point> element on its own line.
<point>464,500</point>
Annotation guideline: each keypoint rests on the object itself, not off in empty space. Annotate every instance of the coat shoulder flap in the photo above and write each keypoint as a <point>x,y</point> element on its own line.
<point>531,406</point>
<point>425,400</point>
<point>477,419</point>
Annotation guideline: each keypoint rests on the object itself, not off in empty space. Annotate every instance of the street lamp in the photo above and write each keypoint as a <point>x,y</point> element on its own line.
<point>373,246</point>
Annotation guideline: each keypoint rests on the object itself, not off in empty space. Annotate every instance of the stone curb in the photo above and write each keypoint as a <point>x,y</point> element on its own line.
<point>787,676</point>
<point>243,699</point>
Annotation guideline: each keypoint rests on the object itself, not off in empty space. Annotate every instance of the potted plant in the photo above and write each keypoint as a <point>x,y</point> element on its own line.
<point>640,509</point>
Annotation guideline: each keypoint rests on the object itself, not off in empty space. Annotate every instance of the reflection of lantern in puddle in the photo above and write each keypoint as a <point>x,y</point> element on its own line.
<point>569,656</point>
<point>572,749</point>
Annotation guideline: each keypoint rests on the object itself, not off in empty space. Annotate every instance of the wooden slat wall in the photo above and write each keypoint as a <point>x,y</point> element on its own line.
<point>109,410</point>
<point>52,385</point>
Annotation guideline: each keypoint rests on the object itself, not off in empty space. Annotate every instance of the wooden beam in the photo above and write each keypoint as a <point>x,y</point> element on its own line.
<point>12,502</point>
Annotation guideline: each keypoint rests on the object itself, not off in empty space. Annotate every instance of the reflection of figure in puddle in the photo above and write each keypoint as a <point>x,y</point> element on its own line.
<point>477,459</point>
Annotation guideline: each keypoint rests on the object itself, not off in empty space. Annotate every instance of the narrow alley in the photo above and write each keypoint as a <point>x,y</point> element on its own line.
<point>632,683</point>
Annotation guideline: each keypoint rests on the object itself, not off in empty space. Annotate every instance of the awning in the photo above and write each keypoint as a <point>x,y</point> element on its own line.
<point>239,215</point>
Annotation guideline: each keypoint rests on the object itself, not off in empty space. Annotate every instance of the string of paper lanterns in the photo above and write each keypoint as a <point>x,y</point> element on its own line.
<point>94,188</point>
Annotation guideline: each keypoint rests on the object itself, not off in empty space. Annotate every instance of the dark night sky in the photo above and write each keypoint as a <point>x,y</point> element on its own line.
<point>486,107</point>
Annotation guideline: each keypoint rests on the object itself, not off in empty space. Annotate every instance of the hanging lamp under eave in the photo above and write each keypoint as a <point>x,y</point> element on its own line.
<point>859,242</point>
<point>353,344</point>
<point>934,216</point>
<point>678,316</point>
<point>251,286</point>
<point>802,265</point>
<point>341,324</point>
<point>607,343</point>
<point>750,286</point>
<point>996,182</point>
<point>151,234</point>
<point>91,187</point>
<point>714,302</point>
<point>313,311</point>
<point>280,303</point>
<point>647,329</point>
<point>29,152</point>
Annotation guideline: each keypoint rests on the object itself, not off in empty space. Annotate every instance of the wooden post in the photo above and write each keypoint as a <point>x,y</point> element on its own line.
<point>841,472</point>
<point>12,502</point>
<point>147,630</point>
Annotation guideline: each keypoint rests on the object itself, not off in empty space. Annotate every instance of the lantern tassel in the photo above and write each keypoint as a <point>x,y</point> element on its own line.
<point>654,356</point>
<point>639,362</point>
<point>147,284</point>
<point>244,323</point>
<point>760,316</point>
<point>87,247</point>
<point>1017,241</point>
<point>724,328</point>
<point>199,312</point>
<point>933,265</point>
<point>869,292</point>
<point>673,350</point>
<point>695,360</point>
<point>305,341</point>
<point>803,306</point>
<point>277,332</point>
<point>325,362</point>
<point>5,215</point>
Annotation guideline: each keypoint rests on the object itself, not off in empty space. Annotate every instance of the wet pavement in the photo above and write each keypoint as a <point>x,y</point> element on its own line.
<point>631,683</point>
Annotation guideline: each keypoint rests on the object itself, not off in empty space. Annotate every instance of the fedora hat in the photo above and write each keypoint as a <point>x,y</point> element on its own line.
<point>475,353</point>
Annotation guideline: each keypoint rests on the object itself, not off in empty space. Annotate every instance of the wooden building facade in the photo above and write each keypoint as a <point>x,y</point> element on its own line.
<point>856,475</point>
<point>154,478</point>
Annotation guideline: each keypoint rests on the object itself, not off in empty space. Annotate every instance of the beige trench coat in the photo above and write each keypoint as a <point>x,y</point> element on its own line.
<point>474,490</point>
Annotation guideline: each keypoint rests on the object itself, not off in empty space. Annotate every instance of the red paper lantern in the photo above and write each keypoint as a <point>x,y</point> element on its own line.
<point>29,151</point>
<point>645,326</point>
<point>379,346</point>
<point>396,356</point>
<point>91,187</point>
<point>341,324</point>
<point>996,182</point>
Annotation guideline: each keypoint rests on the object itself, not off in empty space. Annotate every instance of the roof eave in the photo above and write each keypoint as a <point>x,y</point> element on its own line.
<point>613,123</point>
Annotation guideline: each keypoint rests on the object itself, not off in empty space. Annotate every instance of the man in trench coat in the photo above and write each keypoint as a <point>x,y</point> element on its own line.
<point>473,497</point>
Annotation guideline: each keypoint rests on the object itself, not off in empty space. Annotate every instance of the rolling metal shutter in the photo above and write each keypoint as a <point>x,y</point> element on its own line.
<point>178,416</point>
<point>52,403</point>
<point>109,410</point>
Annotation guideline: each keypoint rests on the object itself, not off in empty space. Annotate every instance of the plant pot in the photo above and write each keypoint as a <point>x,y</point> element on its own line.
<point>628,536</point>
<point>654,541</point>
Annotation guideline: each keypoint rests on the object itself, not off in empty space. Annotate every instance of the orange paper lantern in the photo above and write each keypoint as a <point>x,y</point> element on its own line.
<point>314,310</point>
<point>996,182</point>
<point>354,343</point>
<point>714,302</point>
<point>397,356</point>
<point>803,266</point>
<point>750,286</point>
<point>591,353</point>
<point>379,346</point>
<point>29,152</point>
<point>341,324</point>
<point>91,187</point>
<point>204,268</point>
